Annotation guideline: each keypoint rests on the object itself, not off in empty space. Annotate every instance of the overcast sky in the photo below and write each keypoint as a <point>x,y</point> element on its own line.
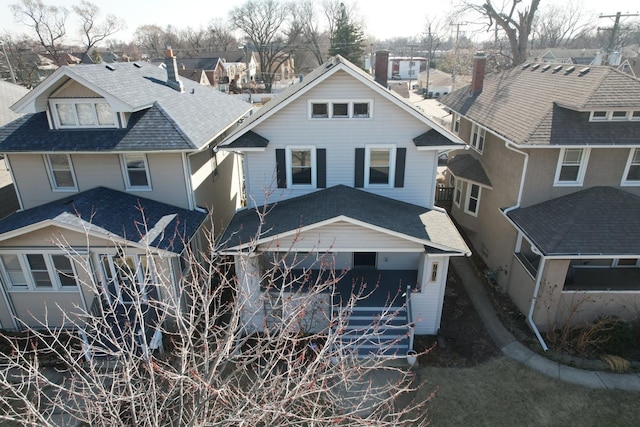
<point>383,19</point>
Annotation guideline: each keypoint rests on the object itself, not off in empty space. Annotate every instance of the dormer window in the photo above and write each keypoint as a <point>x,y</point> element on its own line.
<point>83,114</point>
<point>617,115</point>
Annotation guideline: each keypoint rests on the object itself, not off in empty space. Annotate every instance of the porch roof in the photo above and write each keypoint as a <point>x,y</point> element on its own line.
<point>111,214</point>
<point>430,227</point>
<point>465,166</point>
<point>595,221</point>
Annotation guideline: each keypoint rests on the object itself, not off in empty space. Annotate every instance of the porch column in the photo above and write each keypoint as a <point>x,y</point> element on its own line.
<point>251,305</point>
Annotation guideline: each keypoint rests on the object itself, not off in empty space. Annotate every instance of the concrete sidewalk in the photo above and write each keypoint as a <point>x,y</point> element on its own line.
<point>512,348</point>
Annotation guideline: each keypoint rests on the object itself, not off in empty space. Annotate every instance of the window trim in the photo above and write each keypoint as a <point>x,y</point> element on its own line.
<point>52,179</point>
<point>53,103</point>
<point>27,272</point>
<point>625,181</point>
<point>456,124</point>
<point>630,115</point>
<point>468,198</point>
<point>457,192</point>
<point>127,179</point>
<point>582,168</point>
<point>350,109</point>
<point>478,133</point>
<point>143,282</point>
<point>289,166</point>
<point>392,165</point>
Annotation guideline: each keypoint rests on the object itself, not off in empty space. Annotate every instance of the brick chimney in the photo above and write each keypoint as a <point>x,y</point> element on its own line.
<point>477,75</point>
<point>381,69</point>
<point>173,78</point>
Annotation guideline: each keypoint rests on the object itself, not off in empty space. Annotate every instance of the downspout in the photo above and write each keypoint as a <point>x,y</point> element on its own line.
<point>509,146</point>
<point>534,298</point>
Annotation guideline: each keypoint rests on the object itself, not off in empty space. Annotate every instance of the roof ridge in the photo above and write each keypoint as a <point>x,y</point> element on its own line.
<point>173,123</point>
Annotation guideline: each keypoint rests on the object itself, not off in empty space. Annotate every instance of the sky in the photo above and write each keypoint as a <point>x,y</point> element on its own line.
<point>383,18</point>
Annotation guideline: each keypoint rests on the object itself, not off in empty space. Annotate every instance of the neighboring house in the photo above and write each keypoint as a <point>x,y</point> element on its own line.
<point>213,68</point>
<point>346,170</point>
<point>549,191</point>
<point>439,83</point>
<point>9,94</point>
<point>404,68</point>
<point>115,161</point>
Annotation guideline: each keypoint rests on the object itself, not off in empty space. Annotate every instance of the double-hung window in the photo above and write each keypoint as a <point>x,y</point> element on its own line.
<point>136,171</point>
<point>632,170</point>
<point>38,271</point>
<point>477,137</point>
<point>572,164</point>
<point>380,165</point>
<point>302,167</point>
<point>473,199</point>
<point>61,172</point>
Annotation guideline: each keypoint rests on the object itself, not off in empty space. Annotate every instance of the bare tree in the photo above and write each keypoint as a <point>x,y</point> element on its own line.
<point>93,31</point>
<point>221,37</point>
<point>47,22</point>
<point>559,25</point>
<point>513,19</point>
<point>266,24</point>
<point>151,38</point>
<point>313,38</point>
<point>212,370</point>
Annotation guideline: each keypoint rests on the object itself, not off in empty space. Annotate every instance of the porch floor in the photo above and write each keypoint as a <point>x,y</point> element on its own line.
<point>604,279</point>
<point>377,288</point>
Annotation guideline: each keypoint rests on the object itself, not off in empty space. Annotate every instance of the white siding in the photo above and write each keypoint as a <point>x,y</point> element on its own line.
<point>343,236</point>
<point>426,305</point>
<point>389,125</point>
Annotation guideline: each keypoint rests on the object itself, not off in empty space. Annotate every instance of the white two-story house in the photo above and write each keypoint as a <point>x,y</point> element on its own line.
<point>346,170</point>
<point>115,174</point>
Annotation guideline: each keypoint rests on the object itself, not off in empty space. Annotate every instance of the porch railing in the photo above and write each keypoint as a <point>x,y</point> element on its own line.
<point>410,318</point>
<point>444,194</point>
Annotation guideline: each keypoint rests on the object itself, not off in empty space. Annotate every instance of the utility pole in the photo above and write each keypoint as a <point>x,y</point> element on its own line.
<point>613,40</point>
<point>13,76</point>
<point>455,56</point>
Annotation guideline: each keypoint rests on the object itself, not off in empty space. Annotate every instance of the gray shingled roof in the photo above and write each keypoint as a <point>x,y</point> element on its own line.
<point>595,221</point>
<point>467,167</point>
<point>115,213</point>
<point>9,94</point>
<point>200,113</point>
<point>148,130</point>
<point>249,140</point>
<point>532,106</point>
<point>414,221</point>
<point>431,138</point>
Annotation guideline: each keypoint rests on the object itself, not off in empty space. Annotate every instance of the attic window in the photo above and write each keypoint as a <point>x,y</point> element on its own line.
<point>85,114</point>
<point>598,115</point>
<point>340,109</point>
<point>618,115</point>
<point>635,115</point>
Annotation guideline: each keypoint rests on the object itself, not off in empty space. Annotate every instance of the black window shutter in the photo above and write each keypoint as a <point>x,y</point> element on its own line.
<point>281,168</point>
<point>359,178</point>
<point>401,156</point>
<point>321,164</point>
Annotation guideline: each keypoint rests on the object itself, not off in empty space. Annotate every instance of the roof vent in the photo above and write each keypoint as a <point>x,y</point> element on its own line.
<point>525,65</point>
<point>584,71</point>
<point>546,67</point>
<point>135,64</point>
<point>570,69</point>
<point>558,68</point>
<point>109,67</point>
<point>535,67</point>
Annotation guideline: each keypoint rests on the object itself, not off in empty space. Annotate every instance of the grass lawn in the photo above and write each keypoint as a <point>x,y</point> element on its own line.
<point>503,392</point>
